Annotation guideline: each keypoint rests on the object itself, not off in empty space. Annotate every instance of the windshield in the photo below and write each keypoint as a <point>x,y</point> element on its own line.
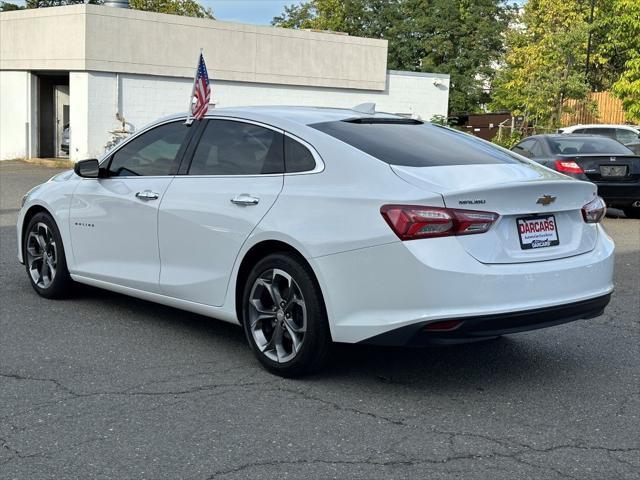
<point>587,145</point>
<point>413,144</point>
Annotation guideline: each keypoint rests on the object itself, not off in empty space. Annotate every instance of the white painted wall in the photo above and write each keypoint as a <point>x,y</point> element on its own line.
<point>96,97</point>
<point>93,98</point>
<point>144,98</point>
<point>16,114</point>
<point>100,38</point>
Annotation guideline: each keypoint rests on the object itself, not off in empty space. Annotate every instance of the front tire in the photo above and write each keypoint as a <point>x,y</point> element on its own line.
<point>284,317</point>
<point>44,257</point>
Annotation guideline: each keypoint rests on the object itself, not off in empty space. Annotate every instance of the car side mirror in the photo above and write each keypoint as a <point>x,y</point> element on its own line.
<point>87,168</point>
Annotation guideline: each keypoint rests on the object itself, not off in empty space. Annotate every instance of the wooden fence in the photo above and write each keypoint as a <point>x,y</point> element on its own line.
<point>601,107</point>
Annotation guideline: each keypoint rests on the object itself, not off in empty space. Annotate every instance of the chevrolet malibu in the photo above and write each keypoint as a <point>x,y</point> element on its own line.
<point>309,226</point>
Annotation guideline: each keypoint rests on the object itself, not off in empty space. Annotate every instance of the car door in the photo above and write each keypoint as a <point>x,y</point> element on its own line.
<point>234,177</point>
<point>114,219</point>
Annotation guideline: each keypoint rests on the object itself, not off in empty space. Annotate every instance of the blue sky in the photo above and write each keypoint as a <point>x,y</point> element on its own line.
<point>245,11</point>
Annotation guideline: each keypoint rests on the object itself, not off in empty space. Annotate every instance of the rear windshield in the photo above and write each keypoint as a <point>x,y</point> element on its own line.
<point>413,144</point>
<point>587,145</point>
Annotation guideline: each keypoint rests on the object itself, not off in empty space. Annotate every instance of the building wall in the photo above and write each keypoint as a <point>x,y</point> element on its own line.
<point>96,97</point>
<point>17,100</point>
<point>99,38</point>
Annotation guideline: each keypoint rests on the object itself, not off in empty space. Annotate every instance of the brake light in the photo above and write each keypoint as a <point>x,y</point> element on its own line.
<point>410,222</point>
<point>594,211</point>
<point>568,166</point>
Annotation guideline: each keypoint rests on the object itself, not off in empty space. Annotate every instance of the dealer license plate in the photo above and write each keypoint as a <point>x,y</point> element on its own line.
<point>538,232</point>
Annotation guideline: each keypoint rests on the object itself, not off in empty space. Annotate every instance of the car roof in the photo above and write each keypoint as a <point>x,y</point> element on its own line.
<point>567,135</point>
<point>602,125</point>
<point>289,114</point>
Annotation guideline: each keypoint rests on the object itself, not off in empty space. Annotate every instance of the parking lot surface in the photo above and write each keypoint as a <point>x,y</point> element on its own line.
<point>105,386</point>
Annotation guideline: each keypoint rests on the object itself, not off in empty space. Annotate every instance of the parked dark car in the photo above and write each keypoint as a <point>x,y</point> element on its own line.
<point>613,167</point>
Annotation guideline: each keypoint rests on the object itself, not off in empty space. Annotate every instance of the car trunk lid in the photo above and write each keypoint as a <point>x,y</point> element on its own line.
<point>608,168</point>
<point>520,194</point>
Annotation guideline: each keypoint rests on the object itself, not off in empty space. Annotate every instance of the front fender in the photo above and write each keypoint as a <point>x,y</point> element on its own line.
<point>54,197</point>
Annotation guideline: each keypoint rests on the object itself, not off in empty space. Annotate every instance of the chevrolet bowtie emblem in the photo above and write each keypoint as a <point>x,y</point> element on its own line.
<point>546,200</point>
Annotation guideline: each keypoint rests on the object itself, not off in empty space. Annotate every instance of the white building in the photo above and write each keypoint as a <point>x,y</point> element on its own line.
<point>88,66</point>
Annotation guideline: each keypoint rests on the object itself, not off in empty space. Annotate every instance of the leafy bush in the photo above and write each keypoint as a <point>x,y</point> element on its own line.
<point>508,141</point>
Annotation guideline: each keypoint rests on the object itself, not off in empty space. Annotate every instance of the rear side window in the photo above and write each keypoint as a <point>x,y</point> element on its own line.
<point>626,136</point>
<point>414,144</point>
<point>236,148</point>
<point>297,157</point>
<point>524,148</point>
<point>536,149</point>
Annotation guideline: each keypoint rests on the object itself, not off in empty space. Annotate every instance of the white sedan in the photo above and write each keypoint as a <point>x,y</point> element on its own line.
<point>309,226</point>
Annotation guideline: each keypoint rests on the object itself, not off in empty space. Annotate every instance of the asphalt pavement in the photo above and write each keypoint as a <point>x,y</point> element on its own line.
<point>109,387</point>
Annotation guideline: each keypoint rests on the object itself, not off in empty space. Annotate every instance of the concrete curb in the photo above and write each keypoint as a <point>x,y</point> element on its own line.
<point>50,162</point>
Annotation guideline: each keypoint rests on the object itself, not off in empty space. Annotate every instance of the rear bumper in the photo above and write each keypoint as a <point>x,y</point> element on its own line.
<point>619,193</point>
<point>372,291</point>
<point>475,328</point>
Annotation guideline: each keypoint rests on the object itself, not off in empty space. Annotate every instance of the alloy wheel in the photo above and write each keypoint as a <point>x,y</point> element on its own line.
<point>42,255</point>
<point>277,315</point>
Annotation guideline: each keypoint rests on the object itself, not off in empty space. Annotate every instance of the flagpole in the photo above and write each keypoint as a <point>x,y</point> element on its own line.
<point>189,120</point>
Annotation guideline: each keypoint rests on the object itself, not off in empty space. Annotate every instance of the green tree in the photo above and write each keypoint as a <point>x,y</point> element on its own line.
<point>51,3</point>
<point>8,7</point>
<point>545,61</point>
<point>463,38</point>
<point>186,8</point>
<point>617,39</point>
<point>615,33</point>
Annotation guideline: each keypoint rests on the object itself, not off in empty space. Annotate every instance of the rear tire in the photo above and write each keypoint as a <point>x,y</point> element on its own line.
<point>631,212</point>
<point>44,257</point>
<point>284,317</point>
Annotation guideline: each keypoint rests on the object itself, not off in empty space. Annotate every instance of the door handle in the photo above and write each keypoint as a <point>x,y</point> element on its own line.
<point>244,200</point>
<point>147,195</point>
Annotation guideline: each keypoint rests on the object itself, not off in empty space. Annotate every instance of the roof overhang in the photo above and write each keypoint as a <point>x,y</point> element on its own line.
<point>98,38</point>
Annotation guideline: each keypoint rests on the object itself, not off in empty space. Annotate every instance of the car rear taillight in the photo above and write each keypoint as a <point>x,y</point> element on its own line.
<point>411,222</point>
<point>568,166</point>
<point>594,211</point>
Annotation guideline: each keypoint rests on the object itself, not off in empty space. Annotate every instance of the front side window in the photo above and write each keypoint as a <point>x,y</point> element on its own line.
<point>153,153</point>
<point>414,144</point>
<point>605,132</point>
<point>229,147</point>
<point>297,157</point>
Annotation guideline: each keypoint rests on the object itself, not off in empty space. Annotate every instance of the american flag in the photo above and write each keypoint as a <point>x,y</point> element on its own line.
<point>201,91</point>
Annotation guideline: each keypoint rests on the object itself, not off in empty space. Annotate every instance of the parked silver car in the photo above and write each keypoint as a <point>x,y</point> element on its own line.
<point>64,143</point>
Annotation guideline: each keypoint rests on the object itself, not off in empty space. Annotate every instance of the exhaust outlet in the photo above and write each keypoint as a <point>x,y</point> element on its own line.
<point>636,204</point>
